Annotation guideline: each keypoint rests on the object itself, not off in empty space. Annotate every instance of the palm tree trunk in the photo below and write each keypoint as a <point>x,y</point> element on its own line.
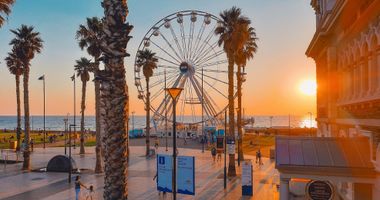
<point>239,120</point>
<point>83,107</point>
<point>26,164</point>
<point>114,96</point>
<point>231,112</point>
<point>147,140</point>
<point>18,131</point>
<point>98,148</point>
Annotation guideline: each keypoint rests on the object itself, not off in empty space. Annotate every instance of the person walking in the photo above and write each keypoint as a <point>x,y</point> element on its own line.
<point>156,144</point>
<point>213,153</point>
<point>259,157</point>
<point>78,185</point>
<point>32,144</point>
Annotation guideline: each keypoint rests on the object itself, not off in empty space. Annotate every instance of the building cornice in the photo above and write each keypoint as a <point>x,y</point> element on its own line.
<point>324,28</point>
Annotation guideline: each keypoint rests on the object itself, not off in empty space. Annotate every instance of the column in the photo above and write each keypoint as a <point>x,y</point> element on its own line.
<point>377,57</point>
<point>374,70</point>
<point>352,83</point>
<point>362,78</point>
<point>347,89</point>
<point>357,75</point>
<point>370,74</point>
<point>378,71</point>
<point>284,188</point>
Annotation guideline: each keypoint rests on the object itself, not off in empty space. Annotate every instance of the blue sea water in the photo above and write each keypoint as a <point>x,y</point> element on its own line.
<point>57,123</point>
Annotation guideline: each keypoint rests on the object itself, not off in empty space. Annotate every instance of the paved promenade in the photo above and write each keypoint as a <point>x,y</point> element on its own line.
<point>18,185</point>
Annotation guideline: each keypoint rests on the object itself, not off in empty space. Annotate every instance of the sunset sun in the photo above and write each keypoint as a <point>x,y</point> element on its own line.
<point>308,87</point>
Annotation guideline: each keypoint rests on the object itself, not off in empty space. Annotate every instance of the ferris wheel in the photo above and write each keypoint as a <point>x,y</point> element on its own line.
<point>189,57</point>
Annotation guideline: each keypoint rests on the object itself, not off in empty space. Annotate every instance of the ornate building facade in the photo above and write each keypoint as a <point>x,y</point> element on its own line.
<point>346,50</point>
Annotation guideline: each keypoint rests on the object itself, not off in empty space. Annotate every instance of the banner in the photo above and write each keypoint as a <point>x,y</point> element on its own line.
<point>164,172</point>
<point>186,175</point>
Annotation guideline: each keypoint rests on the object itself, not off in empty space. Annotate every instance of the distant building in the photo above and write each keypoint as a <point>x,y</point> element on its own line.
<point>346,50</point>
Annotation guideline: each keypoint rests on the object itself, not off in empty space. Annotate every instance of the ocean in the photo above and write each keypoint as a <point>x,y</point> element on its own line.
<point>57,122</point>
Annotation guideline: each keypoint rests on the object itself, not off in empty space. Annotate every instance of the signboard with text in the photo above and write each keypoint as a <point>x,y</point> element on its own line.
<point>186,175</point>
<point>164,172</point>
<point>247,178</point>
<point>231,145</point>
<point>317,190</point>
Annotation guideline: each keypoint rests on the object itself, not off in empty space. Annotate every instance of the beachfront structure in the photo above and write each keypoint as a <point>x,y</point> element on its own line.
<point>346,51</point>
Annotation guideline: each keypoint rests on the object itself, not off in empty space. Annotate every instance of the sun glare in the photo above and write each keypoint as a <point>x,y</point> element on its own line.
<point>308,87</point>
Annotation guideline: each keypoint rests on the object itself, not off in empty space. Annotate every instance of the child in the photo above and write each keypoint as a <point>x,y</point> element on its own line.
<point>90,193</point>
<point>219,158</point>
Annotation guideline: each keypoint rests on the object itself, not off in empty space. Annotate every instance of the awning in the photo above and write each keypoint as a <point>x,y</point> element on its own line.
<point>348,157</point>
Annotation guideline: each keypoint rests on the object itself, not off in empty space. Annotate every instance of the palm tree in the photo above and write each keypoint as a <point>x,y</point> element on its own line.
<point>245,54</point>
<point>146,59</point>
<point>5,9</point>
<point>232,38</point>
<point>89,38</point>
<point>83,68</point>
<point>114,97</point>
<point>14,65</point>
<point>26,44</point>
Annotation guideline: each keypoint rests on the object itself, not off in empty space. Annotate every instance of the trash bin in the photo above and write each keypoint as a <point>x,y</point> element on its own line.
<point>13,144</point>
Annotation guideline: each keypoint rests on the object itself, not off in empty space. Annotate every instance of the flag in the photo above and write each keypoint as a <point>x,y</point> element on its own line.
<point>73,77</point>
<point>41,77</point>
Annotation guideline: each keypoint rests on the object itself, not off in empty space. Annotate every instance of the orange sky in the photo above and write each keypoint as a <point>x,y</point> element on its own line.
<point>274,76</point>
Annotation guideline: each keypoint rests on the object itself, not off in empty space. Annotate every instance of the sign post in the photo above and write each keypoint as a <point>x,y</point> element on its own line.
<point>186,175</point>
<point>164,172</point>
<point>185,180</point>
<point>247,178</point>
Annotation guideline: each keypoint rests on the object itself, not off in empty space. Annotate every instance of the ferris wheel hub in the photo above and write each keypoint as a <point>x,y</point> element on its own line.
<point>186,68</point>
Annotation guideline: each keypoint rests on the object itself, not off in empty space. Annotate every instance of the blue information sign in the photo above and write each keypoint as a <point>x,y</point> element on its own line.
<point>186,175</point>
<point>164,172</point>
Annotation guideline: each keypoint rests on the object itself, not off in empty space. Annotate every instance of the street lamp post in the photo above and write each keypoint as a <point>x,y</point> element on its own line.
<point>174,94</point>
<point>133,122</point>
<point>70,167</point>
<point>66,120</point>
<point>203,143</point>
<point>43,81</point>
<point>166,117</point>
<point>225,149</point>
<point>271,119</point>
<point>73,79</point>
